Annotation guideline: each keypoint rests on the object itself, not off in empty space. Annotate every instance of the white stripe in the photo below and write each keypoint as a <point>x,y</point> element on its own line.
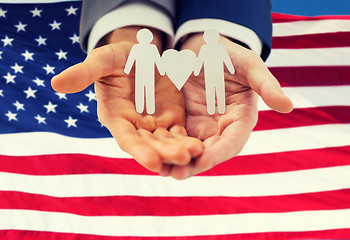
<point>268,141</point>
<point>309,57</point>
<point>149,226</point>
<point>308,97</point>
<point>37,1</point>
<point>310,27</point>
<point>269,184</point>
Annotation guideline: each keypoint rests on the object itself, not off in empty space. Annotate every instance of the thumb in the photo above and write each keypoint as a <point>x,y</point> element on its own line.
<point>100,62</point>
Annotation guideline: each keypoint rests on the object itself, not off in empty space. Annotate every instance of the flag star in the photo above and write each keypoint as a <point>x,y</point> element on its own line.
<point>21,27</point>
<point>41,41</point>
<point>71,122</point>
<point>83,108</point>
<point>10,78</point>
<point>49,69</point>
<point>61,95</point>
<point>39,82</point>
<point>75,38</point>
<point>61,54</point>
<point>36,12</point>
<point>3,13</point>
<point>91,96</point>
<point>50,107</point>
<point>40,119</point>
<point>17,68</point>
<point>55,25</point>
<point>19,106</point>
<point>11,116</point>
<point>71,10</point>
<point>1,52</point>
<point>28,56</point>
<point>7,41</point>
<point>1,93</point>
<point>30,92</point>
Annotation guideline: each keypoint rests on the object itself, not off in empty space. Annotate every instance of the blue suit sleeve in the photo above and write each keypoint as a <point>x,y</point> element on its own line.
<point>253,14</point>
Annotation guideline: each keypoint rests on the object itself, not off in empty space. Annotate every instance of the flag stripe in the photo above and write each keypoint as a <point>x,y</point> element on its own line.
<point>305,76</point>
<point>311,27</point>
<point>164,226</point>
<point>288,18</point>
<point>325,40</point>
<point>303,117</point>
<point>253,164</point>
<point>268,184</point>
<point>169,206</point>
<point>307,97</point>
<point>309,57</point>
<point>45,235</point>
<point>266,141</point>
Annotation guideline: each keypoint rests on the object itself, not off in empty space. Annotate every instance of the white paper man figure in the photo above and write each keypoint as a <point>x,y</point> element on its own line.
<point>146,56</point>
<point>214,56</point>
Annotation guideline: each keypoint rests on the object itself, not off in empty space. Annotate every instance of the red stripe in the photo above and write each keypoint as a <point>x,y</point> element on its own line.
<point>169,206</point>
<point>303,117</point>
<point>280,17</point>
<point>38,235</point>
<point>312,76</point>
<point>324,40</point>
<point>251,164</point>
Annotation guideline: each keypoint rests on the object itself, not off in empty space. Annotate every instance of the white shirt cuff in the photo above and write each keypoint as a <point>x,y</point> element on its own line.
<point>225,28</point>
<point>139,13</point>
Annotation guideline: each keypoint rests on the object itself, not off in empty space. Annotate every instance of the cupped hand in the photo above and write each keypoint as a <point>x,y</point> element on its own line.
<point>224,135</point>
<point>159,141</point>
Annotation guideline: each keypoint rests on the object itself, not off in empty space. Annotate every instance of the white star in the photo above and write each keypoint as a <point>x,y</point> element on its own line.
<point>75,38</point>
<point>40,119</point>
<point>1,52</point>
<point>91,96</point>
<point>83,108</point>
<point>41,41</point>
<point>71,10</point>
<point>3,13</point>
<point>61,54</point>
<point>36,12</point>
<point>61,95</point>
<point>39,82</point>
<point>71,122</point>
<point>50,107</point>
<point>19,106</point>
<point>11,116</point>
<point>55,25</point>
<point>17,68</point>
<point>10,78</point>
<point>49,69</point>
<point>7,41</point>
<point>28,56</point>
<point>30,92</point>
<point>21,27</point>
<point>1,93</point>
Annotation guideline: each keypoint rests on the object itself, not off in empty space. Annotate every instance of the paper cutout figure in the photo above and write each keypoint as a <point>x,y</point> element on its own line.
<point>214,56</point>
<point>145,56</point>
<point>179,65</point>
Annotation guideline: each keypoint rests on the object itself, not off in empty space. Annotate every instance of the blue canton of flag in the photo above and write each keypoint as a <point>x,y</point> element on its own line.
<point>38,41</point>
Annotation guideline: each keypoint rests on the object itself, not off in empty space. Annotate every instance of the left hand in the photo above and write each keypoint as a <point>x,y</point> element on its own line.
<point>225,135</point>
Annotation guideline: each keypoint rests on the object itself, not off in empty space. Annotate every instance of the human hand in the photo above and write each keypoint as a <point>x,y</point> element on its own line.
<point>225,135</point>
<point>156,141</point>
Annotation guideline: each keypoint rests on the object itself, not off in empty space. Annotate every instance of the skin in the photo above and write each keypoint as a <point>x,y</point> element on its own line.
<point>180,140</point>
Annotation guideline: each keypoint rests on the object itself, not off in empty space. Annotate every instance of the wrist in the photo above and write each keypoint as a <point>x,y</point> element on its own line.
<point>128,34</point>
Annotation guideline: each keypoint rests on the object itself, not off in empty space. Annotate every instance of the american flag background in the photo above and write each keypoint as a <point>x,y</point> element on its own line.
<point>62,176</point>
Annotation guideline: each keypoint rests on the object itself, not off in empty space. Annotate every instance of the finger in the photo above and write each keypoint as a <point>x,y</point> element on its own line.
<point>130,141</point>
<point>171,152</point>
<point>193,145</point>
<point>99,63</point>
<point>162,133</point>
